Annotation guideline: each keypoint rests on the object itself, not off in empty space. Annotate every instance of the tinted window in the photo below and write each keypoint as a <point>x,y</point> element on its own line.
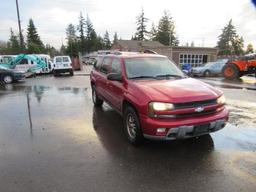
<point>105,67</point>
<point>116,67</point>
<point>98,63</point>
<point>23,61</point>
<point>65,59</point>
<point>58,60</point>
<point>136,67</point>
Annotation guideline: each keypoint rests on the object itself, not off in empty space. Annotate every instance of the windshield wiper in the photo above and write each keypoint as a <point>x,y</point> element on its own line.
<point>170,75</point>
<point>143,77</point>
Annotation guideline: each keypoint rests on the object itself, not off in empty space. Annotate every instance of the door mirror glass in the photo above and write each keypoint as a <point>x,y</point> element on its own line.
<point>115,77</point>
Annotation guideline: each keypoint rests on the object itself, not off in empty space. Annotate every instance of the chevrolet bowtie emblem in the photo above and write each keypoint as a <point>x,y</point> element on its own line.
<point>199,109</point>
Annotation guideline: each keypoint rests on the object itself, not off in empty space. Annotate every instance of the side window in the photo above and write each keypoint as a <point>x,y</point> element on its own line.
<point>116,67</point>
<point>98,63</point>
<point>105,67</point>
<point>23,61</point>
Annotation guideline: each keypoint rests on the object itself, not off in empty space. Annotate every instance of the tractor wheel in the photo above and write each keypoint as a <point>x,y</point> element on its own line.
<point>231,71</point>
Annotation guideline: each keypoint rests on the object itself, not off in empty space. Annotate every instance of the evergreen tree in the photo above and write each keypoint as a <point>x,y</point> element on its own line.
<point>50,50</point>
<point>13,46</point>
<point>62,50</point>
<point>115,38</point>
<point>249,48</point>
<point>91,36</point>
<point>3,48</point>
<point>141,27</point>
<point>229,42</point>
<point>238,45</point>
<point>166,31</point>
<point>34,43</point>
<point>153,33</point>
<point>99,44</point>
<point>81,30</point>
<point>106,41</point>
<point>72,43</point>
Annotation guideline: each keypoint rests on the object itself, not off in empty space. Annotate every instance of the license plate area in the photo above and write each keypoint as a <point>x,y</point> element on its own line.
<point>201,128</point>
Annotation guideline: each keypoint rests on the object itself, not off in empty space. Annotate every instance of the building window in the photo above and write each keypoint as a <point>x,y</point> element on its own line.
<point>194,60</point>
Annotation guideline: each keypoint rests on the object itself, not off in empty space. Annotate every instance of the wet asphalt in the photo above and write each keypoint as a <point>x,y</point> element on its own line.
<point>52,139</point>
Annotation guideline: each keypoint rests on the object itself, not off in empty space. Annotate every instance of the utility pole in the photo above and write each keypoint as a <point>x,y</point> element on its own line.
<point>21,37</point>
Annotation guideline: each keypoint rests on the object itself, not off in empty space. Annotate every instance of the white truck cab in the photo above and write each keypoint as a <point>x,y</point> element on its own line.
<point>62,64</point>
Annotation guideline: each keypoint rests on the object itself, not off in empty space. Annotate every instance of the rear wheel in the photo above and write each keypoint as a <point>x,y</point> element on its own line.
<point>71,72</point>
<point>55,73</point>
<point>231,71</point>
<point>7,79</point>
<point>132,126</point>
<point>96,100</point>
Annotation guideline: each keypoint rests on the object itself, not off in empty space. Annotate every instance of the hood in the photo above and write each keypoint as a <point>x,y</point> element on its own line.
<point>178,91</point>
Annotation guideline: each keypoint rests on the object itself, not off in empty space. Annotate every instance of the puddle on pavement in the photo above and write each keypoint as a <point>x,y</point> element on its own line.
<point>39,90</point>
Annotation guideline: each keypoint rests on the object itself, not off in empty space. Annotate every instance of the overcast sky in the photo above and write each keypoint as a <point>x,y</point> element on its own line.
<point>200,21</point>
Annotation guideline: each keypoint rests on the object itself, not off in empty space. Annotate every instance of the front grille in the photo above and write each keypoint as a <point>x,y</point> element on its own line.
<point>195,104</point>
<point>195,114</point>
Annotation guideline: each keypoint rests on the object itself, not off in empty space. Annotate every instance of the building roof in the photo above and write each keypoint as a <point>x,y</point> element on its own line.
<point>137,45</point>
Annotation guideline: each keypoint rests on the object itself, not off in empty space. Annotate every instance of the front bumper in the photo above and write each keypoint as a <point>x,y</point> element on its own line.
<point>183,128</point>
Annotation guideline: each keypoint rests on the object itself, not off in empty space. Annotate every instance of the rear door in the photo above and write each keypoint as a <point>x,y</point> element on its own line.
<point>102,77</point>
<point>115,88</point>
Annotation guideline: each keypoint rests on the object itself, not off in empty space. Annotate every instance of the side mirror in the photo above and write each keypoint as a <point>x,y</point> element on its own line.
<point>115,77</point>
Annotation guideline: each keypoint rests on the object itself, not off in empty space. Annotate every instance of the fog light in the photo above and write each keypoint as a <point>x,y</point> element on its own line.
<point>160,130</point>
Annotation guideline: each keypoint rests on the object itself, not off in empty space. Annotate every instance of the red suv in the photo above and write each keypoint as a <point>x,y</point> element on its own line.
<point>155,98</point>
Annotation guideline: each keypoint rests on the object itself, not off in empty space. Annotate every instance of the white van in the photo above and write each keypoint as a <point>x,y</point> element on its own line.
<point>62,64</point>
<point>25,64</point>
<point>5,59</point>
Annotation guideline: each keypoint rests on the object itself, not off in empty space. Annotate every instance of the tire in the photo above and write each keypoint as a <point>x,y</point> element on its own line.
<point>7,79</point>
<point>55,74</point>
<point>132,126</point>
<point>231,71</point>
<point>96,100</point>
<point>71,72</point>
<point>207,73</point>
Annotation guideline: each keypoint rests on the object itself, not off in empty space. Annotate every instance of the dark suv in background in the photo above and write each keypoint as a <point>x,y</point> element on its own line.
<point>155,98</point>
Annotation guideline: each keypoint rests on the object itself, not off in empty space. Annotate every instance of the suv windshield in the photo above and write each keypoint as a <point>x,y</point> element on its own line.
<point>151,68</point>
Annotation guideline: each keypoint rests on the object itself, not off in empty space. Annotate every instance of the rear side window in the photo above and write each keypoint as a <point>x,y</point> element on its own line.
<point>105,67</point>
<point>116,67</point>
<point>98,63</point>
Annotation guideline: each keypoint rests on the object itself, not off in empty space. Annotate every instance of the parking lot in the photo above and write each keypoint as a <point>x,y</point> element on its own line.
<point>53,139</point>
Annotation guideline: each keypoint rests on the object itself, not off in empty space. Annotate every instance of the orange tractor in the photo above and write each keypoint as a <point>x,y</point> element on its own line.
<point>234,69</point>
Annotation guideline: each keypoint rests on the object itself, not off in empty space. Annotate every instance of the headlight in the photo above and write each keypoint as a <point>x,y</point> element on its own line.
<point>221,100</point>
<point>159,106</point>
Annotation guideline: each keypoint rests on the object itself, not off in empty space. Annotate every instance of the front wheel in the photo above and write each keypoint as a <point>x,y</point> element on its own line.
<point>96,100</point>
<point>132,126</point>
<point>7,79</point>
<point>207,73</point>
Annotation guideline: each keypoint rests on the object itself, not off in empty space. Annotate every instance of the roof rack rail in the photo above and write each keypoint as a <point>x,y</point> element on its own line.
<point>150,51</point>
<point>107,52</point>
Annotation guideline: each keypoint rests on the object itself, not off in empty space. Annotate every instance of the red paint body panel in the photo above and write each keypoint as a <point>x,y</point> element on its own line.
<point>139,93</point>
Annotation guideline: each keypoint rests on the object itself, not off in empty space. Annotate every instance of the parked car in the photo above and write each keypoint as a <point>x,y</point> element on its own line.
<point>62,64</point>
<point>155,99</point>
<point>8,76</point>
<point>209,69</point>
